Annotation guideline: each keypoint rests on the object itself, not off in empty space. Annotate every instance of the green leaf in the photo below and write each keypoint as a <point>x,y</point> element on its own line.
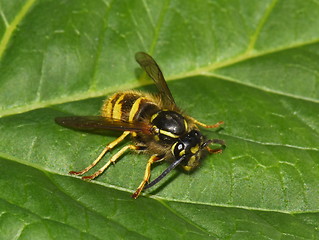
<point>253,64</point>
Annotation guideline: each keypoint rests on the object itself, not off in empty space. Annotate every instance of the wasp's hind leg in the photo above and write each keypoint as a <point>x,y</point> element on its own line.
<point>105,150</point>
<point>147,175</point>
<point>113,159</point>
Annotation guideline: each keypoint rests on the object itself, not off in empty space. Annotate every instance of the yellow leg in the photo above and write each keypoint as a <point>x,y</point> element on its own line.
<point>112,160</point>
<point>205,125</point>
<point>147,175</point>
<point>107,148</point>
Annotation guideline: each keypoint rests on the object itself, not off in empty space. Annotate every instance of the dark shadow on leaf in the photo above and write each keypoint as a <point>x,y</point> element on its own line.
<point>164,183</point>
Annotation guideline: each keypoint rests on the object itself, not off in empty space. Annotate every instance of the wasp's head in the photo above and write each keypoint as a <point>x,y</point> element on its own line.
<point>189,145</point>
<point>187,151</point>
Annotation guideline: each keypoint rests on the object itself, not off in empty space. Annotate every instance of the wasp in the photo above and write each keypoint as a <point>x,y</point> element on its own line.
<point>155,123</point>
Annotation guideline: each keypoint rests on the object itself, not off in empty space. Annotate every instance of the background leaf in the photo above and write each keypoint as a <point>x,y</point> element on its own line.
<point>252,64</point>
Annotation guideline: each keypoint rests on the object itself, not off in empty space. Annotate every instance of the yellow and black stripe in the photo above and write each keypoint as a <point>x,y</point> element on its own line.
<point>130,106</point>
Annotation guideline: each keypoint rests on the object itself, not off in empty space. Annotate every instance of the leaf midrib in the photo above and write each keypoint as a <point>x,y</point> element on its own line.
<point>203,71</point>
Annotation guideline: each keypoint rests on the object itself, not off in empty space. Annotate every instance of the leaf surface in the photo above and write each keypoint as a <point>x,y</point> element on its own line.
<point>251,64</point>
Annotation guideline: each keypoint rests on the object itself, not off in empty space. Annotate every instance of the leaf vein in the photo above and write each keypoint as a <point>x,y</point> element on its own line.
<point>158,26</point>
<point>261,24</point>
<point>184,218</point>
<point>93,79</point>
<point>13,26</point>
<point>82,204</point>
<point>6,24</point>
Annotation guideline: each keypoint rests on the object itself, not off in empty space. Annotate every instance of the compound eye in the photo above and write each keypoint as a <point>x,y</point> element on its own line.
<point>179,150</point>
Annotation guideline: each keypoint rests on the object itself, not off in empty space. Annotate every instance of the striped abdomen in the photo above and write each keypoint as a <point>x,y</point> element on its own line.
<point>130,106</point>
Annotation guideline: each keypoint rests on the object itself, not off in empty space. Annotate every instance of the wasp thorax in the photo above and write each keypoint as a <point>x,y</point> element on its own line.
<point>171,125</point>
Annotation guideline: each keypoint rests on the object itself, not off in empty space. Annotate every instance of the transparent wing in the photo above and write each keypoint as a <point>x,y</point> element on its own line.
<point>154,72</point>
<point>99,123</point>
